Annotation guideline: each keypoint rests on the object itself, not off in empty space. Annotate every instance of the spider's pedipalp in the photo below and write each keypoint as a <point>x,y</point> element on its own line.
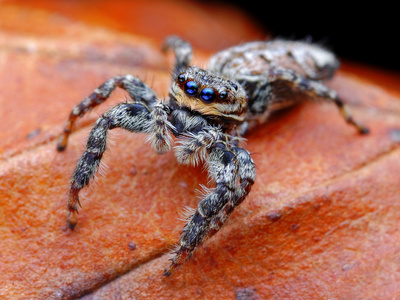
<point>159,133</point>
<point>136,89</point>
<point>192,149</point>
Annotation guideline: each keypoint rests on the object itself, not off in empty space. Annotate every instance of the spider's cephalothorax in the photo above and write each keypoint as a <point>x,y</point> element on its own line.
<point>208,111</point>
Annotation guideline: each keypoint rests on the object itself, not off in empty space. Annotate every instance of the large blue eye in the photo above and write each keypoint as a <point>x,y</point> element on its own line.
<point>207,95</point>
<point>191,88</point>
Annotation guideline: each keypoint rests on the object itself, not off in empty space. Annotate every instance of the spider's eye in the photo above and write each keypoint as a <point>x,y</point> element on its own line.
<point>181,78</point>
<point>191,88</point>
<point>207,95</point>
<point>223,95</point>
<point>234,85</point>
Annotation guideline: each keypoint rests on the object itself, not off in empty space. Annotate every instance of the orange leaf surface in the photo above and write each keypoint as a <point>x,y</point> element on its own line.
<point>321,221</point>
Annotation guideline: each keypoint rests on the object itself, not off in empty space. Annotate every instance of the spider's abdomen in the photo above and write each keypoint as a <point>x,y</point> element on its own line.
<point>257,58</point>
<point>274,74</point>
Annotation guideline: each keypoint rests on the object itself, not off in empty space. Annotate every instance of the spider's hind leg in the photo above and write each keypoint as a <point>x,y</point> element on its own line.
<point>183,52</point>
<point>316,89</point>
<point>134,86</point>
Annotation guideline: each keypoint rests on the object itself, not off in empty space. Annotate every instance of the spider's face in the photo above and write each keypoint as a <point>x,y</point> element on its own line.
<point>210,94</point>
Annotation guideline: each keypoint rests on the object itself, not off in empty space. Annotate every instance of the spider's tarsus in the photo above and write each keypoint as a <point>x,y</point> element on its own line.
<point>61,148</point>
<point>363,130</point>
<point>180,256</point>
<point>71,220</point>
<point>71,225</point>
<point>167,273</point>
<point>360,128</point>
<point>62,143</point>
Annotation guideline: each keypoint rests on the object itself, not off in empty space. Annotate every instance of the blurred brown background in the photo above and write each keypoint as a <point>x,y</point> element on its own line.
<point>363,33</point>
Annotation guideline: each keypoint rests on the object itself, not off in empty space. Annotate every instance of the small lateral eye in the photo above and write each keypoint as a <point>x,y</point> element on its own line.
<point>234,85</point>
<point>191,88</point>
<point>223,95</point>
<point>181,77</point>
<point>207,95</point>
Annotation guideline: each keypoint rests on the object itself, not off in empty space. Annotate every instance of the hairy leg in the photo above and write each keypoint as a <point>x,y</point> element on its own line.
<point>227,166</point>
<point>136,89</point>
<point>318,90</point>
<point>183,52</point>
<point>134,117</point>
<point>247,175</point>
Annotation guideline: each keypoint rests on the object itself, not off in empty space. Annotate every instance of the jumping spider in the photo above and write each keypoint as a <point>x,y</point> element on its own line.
<point>208,112</point>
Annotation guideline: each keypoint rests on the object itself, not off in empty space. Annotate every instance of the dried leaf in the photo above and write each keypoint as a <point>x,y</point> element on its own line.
<point>321,221</point>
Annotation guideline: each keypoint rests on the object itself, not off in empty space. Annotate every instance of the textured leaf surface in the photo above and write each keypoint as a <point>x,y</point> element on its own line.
<point>321,221</point>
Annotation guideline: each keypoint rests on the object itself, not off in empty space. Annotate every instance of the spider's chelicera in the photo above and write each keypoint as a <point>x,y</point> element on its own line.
<point>208,112</point>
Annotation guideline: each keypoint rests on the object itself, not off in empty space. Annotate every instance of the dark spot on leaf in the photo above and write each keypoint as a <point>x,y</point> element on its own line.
<point>33,134</point>
<point>395,135</point>
<point>133,171</point>
<point>246,293</point>
<point>132,246</point>
<point>347,267</point>
<point>274,216</point>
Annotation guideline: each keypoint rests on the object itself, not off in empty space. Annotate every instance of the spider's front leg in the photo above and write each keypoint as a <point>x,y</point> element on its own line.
<point>247,175</point>
<point>134,86</point>
<point>135,117</point>
<point>234,173</point>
